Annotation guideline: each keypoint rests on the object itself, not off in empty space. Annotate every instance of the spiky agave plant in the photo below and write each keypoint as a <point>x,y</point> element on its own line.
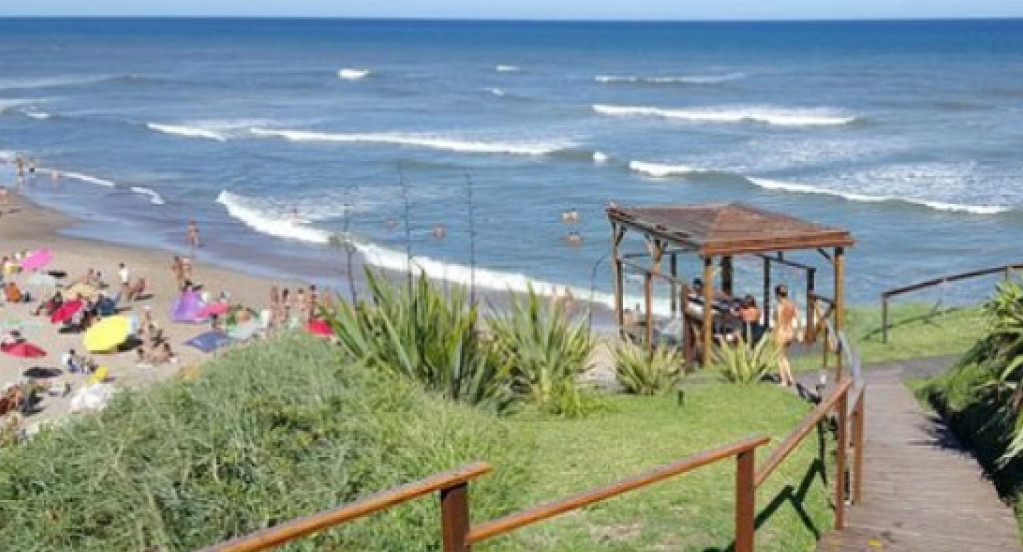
<point>743,364</point>
<point>642,372</point>
<point>546,351</point>
<point>420,332</point>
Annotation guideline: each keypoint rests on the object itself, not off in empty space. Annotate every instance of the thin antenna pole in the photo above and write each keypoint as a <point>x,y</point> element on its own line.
<point>408,229</point>
<point>348,244</point>
<point>472,240</point>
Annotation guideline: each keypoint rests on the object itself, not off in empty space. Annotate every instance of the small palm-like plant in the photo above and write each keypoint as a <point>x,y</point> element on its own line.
<point>416,330</point>
<point>743,364</point>
<point>546,352</point>
<point>642,372</point>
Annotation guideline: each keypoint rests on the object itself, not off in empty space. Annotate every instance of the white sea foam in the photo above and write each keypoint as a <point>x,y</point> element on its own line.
<point>784,186</point>
<point>600,157</point>
<point>188,131</point>
<point>496,91</point>
<point>681,79</point>
<point>507,69</point>
<point>736,114</point>
<point>661,170</point>
<point>352,74</point>
<point>33,114</point>
<point>10,103</point>
<point>416,140</point>
<point>154,197</point>
<point>249,213</point>
<point>90,179</point>
<point>18,83</point>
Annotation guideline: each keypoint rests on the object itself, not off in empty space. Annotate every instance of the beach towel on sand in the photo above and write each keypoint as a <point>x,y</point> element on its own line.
<point>186,308</point>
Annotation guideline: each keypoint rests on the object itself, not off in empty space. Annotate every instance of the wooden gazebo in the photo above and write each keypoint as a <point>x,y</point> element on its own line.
<point>721,232</point>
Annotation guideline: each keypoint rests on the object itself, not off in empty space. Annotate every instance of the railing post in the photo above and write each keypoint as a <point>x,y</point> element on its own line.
<point>884,319</point>
<point>858,427</point>
<point>454,512</point>
<point>745,501</point>
<point>842,445</point>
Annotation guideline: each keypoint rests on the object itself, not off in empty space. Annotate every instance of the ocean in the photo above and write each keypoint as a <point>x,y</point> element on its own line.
<point>278,135</point>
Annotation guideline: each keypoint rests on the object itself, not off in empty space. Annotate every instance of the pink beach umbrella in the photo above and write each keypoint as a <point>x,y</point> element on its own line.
<point>37,259</point>
<point>319,327</point>
<point>66,311</point>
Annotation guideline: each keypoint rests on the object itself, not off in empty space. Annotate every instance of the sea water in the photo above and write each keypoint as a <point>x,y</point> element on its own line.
<point>288,140</point>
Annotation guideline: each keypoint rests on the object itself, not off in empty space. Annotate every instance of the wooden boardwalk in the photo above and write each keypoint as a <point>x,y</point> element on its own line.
<point>921,492</point>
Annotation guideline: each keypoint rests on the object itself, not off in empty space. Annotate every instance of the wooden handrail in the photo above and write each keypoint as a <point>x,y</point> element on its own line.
<point>291,530</point>
<point>950,278</point>
<point>888,294</point>
<point>783,450</point>
<point>557,507</point>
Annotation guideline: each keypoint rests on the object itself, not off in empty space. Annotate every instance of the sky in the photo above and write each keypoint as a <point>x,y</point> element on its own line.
<point>527,9</point>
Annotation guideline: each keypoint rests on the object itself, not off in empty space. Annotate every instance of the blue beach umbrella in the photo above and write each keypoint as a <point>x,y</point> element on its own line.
<point>210,341</point>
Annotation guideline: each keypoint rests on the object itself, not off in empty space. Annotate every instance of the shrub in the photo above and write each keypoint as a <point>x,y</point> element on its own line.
<point>265,434</point>
<point>418,331</point>
<point>641,372</point>
<point>742,364</point>
<point>546,353</point>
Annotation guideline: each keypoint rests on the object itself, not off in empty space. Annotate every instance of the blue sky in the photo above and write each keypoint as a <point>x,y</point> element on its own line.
<point>530,9</point>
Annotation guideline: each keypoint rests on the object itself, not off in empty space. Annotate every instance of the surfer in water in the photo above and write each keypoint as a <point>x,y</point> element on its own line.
<point>295,218</point>
<point>439,232</point>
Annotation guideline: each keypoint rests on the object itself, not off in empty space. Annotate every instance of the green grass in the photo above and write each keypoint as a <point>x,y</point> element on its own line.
<point>278,430</point>
<point>691,512</point>
<point>916,330</point>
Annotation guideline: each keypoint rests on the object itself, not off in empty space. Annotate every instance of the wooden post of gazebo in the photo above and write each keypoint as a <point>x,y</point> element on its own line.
<point>839,307</point>
<point>707,335</point>
<point>617,233</point>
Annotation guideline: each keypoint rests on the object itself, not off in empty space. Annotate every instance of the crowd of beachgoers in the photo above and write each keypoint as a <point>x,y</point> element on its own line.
<point>80,319</point>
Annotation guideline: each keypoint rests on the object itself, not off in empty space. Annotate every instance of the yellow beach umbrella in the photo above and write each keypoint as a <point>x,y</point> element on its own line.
<point>84,290</point>
<point>107,334</point>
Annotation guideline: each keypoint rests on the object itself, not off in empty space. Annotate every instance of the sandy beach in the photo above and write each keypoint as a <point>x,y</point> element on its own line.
<point>26,226</point>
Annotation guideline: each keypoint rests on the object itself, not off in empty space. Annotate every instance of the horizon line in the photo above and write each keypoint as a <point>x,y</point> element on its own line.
<point>469,19</point>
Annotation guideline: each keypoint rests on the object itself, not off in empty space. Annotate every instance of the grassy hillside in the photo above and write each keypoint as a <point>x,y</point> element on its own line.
<point>281,429</point>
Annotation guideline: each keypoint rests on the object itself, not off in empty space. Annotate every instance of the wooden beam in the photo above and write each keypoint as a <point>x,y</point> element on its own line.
<point>727,275</point>
<point>707,336</point>
<point>673,267</point>
<point>839,307</point>
<point>767,292</point>
<point>617,233</point>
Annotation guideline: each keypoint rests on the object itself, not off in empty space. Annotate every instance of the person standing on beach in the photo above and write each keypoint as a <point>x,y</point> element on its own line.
<point>125,277</point>
<point>178,268</point>
<point>784,333</point>
<point>193,236</point>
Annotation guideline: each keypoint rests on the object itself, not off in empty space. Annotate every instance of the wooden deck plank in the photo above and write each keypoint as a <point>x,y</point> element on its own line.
<point>922,492</point>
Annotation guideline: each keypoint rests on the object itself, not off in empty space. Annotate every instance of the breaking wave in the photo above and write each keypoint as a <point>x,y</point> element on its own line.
<point>154,197</point>
<point>507,69</point>
<point>660,170</point>
<point>739,114</point>
<point>783,186</point>
<point>416,140</point>
<point>352,74</point>
<point>90,179</point>
<point>683,79</point>
<point>247,212</point>
<point>188,131</point>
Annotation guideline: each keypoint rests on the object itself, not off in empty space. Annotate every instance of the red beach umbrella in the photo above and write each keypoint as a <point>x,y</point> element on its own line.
<point>23,349</point>
<point>319,327</point>
<point>66,311</point>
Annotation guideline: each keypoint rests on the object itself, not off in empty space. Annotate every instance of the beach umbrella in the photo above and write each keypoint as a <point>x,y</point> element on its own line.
<point>107,334</point>
<point>42,280</point>
<point>319,327</point>
<point>66,311</point>
<point>37,259</point>
<point>186,308</point>
<point>85,291</point>
<point>213,309</point>
<point>210,341</point>
<point>23,349</point>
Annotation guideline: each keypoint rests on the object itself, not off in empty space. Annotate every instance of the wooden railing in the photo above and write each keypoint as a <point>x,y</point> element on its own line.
<point>886,296</point>
<point>459,535</point>
<point>839,403</point>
